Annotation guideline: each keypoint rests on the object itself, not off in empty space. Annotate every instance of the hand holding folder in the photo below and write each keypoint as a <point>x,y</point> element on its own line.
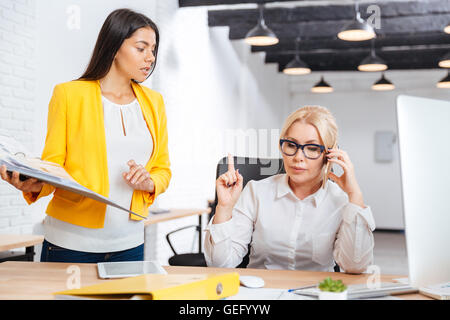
<point>16,158</point>
<point>160,287</point>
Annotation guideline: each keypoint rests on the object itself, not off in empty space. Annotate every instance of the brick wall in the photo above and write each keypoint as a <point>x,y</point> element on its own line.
<point>17,95</point>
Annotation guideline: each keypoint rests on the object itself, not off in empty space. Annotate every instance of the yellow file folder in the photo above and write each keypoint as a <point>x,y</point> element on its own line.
<point>160,287</point>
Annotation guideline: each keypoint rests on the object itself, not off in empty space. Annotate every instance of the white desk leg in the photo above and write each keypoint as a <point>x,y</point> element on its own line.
<point>150,242</point>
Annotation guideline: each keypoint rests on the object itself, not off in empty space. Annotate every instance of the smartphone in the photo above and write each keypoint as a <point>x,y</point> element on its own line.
<point>21,176</point>
<point>329,167</point>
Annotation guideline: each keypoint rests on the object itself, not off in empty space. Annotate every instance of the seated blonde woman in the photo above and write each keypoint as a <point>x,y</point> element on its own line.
<point>300,220</point>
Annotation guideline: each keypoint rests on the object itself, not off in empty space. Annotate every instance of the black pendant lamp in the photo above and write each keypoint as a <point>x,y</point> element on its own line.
<point>447,28</point>
<point>357,30</point>
<point>372,62</point>
<point>444,83</point>
<point>261,35</point>
<point>445,61</point>
<point>296,66</point>
<point>383,84</point>
<point>322,87</point>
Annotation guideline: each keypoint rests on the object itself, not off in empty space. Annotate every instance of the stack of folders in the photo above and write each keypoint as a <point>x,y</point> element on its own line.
<point>160,287</point>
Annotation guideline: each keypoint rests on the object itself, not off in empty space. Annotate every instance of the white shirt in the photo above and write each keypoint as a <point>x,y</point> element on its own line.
<point>288,233</point>
<point>132,140</point>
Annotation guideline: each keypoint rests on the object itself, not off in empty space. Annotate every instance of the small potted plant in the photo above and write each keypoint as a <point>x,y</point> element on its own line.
<point>332,290</point>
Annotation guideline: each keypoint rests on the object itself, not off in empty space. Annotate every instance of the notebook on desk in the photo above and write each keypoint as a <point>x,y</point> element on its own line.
<point>438,291</point>
<point>361,291</point>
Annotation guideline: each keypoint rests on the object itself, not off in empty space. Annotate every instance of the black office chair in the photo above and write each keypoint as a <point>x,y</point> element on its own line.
<point>250,169</point>
<point>186,259</point>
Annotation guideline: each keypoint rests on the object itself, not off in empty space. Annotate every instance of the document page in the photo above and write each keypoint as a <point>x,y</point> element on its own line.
<point>17,158</point>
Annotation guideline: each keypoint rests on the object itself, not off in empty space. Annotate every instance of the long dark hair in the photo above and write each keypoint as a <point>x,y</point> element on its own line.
<point>118,26</point>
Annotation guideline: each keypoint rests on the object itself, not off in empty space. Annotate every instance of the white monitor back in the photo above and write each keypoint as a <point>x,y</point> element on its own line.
<point>424,141</point>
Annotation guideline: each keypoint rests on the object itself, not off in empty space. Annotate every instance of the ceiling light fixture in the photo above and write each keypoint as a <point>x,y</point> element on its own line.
<point>445,61</point>
<point>447,28</point>
<point>357,30</point>
<point>383,84</point>
<point>444,83</point>
<point>261,35</point>
<point>372,62</point>
<point>322,87</point>
<point>296,66</point>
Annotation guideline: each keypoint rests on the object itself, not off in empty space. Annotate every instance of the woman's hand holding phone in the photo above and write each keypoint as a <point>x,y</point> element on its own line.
<point>347,181</point>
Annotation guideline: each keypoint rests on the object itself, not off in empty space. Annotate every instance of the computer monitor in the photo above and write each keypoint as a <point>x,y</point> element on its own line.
<point>424,142</point>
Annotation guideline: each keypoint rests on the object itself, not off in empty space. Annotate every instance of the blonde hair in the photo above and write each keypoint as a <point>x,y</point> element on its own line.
<point>325,123</point>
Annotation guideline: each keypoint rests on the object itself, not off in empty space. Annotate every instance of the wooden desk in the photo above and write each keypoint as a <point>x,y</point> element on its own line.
<point>38,280</point>
<point>174,214</point>
<point>14,241</point>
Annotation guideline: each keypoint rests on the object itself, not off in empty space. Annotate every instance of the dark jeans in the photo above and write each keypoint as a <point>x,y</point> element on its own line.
<point>53,253</point>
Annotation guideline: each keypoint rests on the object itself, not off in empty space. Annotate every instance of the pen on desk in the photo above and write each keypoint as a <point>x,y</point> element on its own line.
<point>305,287</point>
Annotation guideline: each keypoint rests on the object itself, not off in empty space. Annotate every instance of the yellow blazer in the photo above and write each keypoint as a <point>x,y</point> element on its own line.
<point>76,140</point>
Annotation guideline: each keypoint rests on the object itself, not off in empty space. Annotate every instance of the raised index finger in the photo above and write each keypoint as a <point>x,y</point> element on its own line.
<point>131,163</point>
<point>230,163</point>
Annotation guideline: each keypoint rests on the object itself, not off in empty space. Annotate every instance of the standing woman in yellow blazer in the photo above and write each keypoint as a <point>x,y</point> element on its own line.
<point>110,134</point>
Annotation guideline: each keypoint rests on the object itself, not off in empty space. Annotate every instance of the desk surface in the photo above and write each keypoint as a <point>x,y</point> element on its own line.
<point>174,214</point>
<point>38,280</point>
<point>14,241</point>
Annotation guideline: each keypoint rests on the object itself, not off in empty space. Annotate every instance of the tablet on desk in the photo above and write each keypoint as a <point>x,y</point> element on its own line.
<point>158,211</point>
<point>107,270</point>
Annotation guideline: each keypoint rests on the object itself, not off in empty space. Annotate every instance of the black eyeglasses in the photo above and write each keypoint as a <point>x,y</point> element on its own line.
<point>311,151</point>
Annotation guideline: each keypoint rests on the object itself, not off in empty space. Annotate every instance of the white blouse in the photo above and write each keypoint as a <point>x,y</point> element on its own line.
<point>287,233</point>
<point>127,137</point>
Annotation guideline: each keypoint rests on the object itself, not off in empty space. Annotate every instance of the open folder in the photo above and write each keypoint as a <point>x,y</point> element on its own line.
<point>160,287</point>
<point>16,158</point>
